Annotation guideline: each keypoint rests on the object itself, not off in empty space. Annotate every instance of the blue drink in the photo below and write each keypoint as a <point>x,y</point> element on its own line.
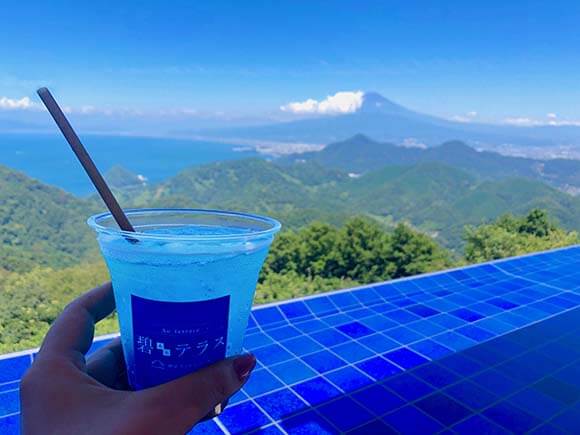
<point>184,285</point>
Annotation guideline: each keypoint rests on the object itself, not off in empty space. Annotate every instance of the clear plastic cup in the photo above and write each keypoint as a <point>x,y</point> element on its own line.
<point>184,283</point>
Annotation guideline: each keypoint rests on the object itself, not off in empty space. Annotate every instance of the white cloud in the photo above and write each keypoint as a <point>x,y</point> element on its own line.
<point>522,121</point>
<point>341,102</point>
<point>468,117</point>
<point>22,104</point>
<point>530,122</point>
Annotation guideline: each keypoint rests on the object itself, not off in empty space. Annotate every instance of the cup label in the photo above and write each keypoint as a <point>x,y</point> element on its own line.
<point>171,339</point>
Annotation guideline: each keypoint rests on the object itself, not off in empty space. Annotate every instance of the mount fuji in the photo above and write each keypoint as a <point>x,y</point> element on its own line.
<point>387,121</point>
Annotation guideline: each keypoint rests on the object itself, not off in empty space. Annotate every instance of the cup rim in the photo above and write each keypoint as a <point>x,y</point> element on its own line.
<point>93,222</point>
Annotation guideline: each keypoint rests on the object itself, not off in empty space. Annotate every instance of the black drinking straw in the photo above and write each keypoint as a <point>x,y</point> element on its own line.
<point>85,159</point>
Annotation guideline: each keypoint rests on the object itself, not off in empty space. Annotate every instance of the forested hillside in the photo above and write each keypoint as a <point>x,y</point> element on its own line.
<point>44,226</point>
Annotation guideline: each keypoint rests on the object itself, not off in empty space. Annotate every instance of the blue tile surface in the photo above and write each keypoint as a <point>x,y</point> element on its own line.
<point>493,348</point>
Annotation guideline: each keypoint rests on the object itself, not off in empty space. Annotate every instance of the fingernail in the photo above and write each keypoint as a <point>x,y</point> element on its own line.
<point>243,365</point>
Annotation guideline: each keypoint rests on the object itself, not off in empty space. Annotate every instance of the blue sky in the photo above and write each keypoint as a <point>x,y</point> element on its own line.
<point>216,59</point>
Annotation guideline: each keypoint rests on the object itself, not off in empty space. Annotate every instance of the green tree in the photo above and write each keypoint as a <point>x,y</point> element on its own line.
<point>511,235</point>
<point>361,251</point>
<point>411,252</point>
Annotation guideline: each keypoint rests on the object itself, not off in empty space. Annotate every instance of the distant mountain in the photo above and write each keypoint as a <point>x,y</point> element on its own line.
<point>42,225</point>
<point>119,177</point>
<point>385,120</point>
<point>433,196</point>
<point>360,154</point>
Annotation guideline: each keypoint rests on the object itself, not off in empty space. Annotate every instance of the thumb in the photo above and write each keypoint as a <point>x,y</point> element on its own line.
<point>181,403</point>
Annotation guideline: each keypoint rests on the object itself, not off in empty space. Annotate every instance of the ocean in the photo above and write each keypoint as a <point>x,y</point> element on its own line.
<point>48,157</point>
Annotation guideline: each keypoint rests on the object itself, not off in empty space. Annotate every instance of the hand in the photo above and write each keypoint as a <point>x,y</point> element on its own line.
<point>63,394</point>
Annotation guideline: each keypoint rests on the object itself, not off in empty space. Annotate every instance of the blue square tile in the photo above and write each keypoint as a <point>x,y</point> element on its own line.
<point>378,399</point>
<point>471,395</point>
<point>308,423</point>
<point>401,316</point>
<point>329,337</point>
<point>512,318</point>
<point>373,427</point>
<point>348,379</point>
<point>268,430</point>
<point>511,418</point>
<point>345,413</point>
<point>379,343</point>
<point>360,313</point>
<point>243,417</point>
<point>426,327</point>
<point>296,309</point>
<point>311,326</point>
<point>281,403</point>
<point>292,371</point>
<point>9,402</point>
<point>367,296</point>
<point>258,339</point>
<point>408,387</point>
<point>495,325</point>
<point>272,354</point>
<point>252,325</point>
<point>383,307</point>
<point>336,319</point>
<point>344,300</point>
<point>405,357</point>
<point>461,364</point>
<point>378,322</point>
<point>475,333</point>
<point>436,375</point>
<point>317,390</point>
<point>443,409</point>
<point>454,341</point>
<point>351,351</point>
<point>467,315</point>
<point>564,391</point>
<point>485,308</point>
<point>447,320</point>
<point>9,386</point>
<point>547,429</point>
<point>321,306</point>
<point>268,316</point>
<point>561,302</point>
<point>476,424</point>
<point>422,424</point>
<point>301,345</point>
<point>355,329</point>
<point>422,310</point>
<point>12,369</point>
<point>402,302</point>
<point>10,425</point>
<point>239,396</point>
<point>537,403</point>
<point>502,303</point>
<point>462,299</point>
<point>430,349</point>
<point>378,368</point>
<point>403,335</point>
<point>283,333</point>
<point>496,382</point>
<point>569,420</point>
<point>261,381</point>
<point>323,361</point>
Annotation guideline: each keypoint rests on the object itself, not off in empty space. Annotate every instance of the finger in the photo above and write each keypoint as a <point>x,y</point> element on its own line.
<point>107,365</point>
<point>187,400</point>
<point>71,334</point>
